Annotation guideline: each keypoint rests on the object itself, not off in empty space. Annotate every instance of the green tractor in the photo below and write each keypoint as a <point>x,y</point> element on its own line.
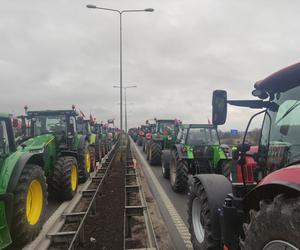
<point>84,127</point>
<point>100,140</point>
<point>163,138</point>
<point>54,134</point>
<point>197,151</point>
<point>23,189</point>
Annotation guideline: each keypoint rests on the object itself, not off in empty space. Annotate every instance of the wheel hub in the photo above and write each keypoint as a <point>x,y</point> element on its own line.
<point>279,245</point>
<point>88,161</point>
<point>196,218</point>
<point>74,177</point>
<point>34,202</point>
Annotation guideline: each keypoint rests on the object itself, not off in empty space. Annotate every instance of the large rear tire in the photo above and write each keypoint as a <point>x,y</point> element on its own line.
<point>64,182</point>
<point>155,154</point>
<point>165,163</point>
<point>275,226</point>
<point>200,225</point>
<point>30,202</point>
<point>178,173</point>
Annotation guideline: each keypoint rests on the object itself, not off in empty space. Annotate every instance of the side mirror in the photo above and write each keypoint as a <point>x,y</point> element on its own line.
<point>219,107</point>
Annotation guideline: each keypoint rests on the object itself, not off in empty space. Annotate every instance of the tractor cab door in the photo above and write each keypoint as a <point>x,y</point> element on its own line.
<point>4,139</point>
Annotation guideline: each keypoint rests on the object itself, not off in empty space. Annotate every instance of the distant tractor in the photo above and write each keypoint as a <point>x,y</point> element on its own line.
<point>84,128</point>
<point>23,189</point>
<point>197,151</point>
<point>162,138</point>
<point>141,135</point>
<point>264,213</point>
<point>150,128</point>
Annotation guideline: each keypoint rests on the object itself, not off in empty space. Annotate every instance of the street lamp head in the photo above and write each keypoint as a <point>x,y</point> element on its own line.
<point>91,6</point>
<point>149,10</point>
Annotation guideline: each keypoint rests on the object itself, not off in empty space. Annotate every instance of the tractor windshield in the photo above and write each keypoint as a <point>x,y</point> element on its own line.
<point>4,146</point>
<point>280,142</point>
<point>165,126</point>
<point>202,136</point>
<point>49,124</point>
<point>82,127</point>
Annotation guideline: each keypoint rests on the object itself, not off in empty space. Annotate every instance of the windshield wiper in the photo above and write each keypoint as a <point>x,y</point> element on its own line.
<point>295,105</point>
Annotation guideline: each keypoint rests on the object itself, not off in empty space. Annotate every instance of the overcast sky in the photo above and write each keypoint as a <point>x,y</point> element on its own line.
<point>57,53</point>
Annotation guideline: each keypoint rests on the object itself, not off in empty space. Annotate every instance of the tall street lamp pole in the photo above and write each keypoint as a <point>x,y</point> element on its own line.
<point>125,101</point>
<point>120,12</point>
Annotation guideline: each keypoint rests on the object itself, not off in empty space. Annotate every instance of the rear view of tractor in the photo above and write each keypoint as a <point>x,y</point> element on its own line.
<point>265,213</point>
<point>197,151</point>
<point>163,138</point>
<point>23,190</point>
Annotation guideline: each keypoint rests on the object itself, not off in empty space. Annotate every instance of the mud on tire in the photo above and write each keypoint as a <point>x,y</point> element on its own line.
<point>277,219</point>
<point>22,231</point>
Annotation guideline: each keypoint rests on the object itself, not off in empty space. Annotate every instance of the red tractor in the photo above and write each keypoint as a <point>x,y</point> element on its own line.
<point>263,213</point>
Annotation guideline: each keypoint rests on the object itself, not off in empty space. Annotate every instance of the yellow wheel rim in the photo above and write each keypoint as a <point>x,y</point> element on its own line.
<point>74,177</point>
<point>88,161</point>
<point>34,202</point>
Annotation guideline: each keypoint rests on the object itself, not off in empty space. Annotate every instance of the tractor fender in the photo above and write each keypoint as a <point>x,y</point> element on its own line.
<point>285,180</point>
<point>216,187</point>
<point>69,153</point>
<point>37,159</point>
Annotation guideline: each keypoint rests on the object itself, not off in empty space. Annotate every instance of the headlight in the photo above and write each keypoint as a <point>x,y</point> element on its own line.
<point>37,151</point>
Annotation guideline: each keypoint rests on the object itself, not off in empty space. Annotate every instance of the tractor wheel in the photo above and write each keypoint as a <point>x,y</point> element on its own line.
<point>85,162</point>
<point>200,224</point>
<point>30,202</point>
<point>93,158</point>
<point>155,154</point>
<point>165,163</point>
<point>64,182</point>
<point>178,173</point>
<point>275,226</point>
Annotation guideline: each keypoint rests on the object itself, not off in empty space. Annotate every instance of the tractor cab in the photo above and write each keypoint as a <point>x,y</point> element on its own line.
<point>60,123</point>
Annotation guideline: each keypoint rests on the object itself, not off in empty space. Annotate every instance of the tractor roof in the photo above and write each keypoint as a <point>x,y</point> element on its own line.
<point>70,112</point>
<point>165,120</point>
<point>198,126</point>
<point>4,115</point>
<point>281,80</point>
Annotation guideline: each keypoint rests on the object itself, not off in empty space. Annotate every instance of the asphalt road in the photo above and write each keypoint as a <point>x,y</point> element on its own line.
<point>179,200</point>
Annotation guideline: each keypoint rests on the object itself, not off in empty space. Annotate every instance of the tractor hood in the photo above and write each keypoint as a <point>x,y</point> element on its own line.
<point>37,143</point>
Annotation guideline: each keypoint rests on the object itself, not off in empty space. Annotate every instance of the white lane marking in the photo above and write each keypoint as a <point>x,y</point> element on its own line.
<point>177,220</point>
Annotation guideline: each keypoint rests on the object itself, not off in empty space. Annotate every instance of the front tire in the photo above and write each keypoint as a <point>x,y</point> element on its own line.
<point>64,182</point>
<point>200,224</point>
<point>30,202</point>
<point>276,224</point>
<point>85,162</point>
<point>93,158</point>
